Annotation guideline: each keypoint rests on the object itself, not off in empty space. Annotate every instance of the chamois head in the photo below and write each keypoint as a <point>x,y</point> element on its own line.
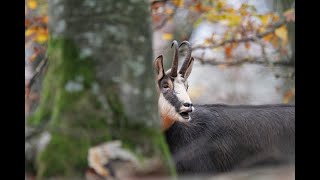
<point>174,101</point>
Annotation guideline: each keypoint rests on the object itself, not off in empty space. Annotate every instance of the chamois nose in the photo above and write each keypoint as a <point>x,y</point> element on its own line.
<point>187,104</point>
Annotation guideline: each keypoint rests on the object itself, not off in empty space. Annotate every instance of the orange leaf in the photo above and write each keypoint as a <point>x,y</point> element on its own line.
<point>45,19</point>
<point>247,45</point>
<point>228,51</point>
<point>268,37</point>
<point>198,7</point>
<point>287,96</point>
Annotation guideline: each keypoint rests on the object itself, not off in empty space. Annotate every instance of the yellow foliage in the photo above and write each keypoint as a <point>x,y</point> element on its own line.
<point>234,19</point>
<point>42,36</point>
<point>167,36</point>
<point>178,3</point>
<point>268,37</point>
<point>282,33</point>
<point>265,19</point>
<point>32,4</point>
<point>212,15</point>
<point>29,31</point>
<point>220,5</point>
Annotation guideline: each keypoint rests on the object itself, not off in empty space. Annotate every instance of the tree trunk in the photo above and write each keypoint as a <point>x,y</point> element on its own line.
<point>99,84</point>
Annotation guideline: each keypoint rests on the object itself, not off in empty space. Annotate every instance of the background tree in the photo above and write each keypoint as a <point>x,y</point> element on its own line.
<point>99,84</point>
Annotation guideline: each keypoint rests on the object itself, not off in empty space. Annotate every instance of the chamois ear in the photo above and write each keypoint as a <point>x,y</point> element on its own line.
<point>189,69</point>
<point>158,63</point>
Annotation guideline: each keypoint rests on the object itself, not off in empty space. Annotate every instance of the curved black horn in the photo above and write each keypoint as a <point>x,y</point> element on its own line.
<point>187,59</point>
<point>174,67</point>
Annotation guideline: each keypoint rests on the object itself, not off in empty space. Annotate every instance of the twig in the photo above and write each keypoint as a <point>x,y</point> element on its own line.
<point>36,74</point>
<point>242,61</point>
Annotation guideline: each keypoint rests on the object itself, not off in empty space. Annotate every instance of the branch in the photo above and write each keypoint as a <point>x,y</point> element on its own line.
<point>260,61</point>
<point>36,74</point>
<point>246,39</point>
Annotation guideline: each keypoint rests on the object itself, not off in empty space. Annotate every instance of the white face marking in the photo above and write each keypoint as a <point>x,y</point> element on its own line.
<point>180,90</point>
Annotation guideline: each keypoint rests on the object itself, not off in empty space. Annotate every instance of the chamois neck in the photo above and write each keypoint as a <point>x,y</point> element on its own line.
<point>166,122</point>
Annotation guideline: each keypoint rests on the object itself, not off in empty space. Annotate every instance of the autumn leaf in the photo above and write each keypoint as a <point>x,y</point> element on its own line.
<point>178,3</point>
<point>167,36</point>
<point>243,9</point>
<point>261,30</point>
<point>282,33</point>
<point>275,17</point>
<point>265,19</point>
<point>42,36</point>
<point>234,19</point>
<point>45,19</point>
<point>268,37</point>
<point>287,97</point>
<point>228,50</point>
<point>290,15</point>
<point>247,45</point>
<point>30,31</point>
<point>220,5</point>
<point>32,4</point>
<point>198,7</point>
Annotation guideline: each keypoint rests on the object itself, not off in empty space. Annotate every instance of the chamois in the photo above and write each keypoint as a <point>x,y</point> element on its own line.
<point>219,138</point>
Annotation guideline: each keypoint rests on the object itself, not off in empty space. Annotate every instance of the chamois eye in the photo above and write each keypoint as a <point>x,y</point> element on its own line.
<point>165,85</point>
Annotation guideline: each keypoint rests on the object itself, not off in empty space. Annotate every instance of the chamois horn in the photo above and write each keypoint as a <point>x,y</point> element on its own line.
<point>187,59</point>
<point>174,67</point>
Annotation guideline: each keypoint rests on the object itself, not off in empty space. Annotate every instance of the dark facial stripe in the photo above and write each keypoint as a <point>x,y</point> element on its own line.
<point>173,100</point>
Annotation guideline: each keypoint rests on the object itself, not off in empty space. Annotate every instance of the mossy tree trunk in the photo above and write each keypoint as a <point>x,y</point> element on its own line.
<point>99,84</point>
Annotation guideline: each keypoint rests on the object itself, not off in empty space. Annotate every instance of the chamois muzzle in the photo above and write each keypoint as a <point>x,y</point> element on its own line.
<point>185,110</point>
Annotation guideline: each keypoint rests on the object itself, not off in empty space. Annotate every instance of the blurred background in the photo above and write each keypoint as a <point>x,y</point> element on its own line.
<point>89,76</point>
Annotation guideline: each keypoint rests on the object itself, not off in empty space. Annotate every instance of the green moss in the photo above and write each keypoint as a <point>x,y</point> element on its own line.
<point>78,121</point>
<point>73,115</point>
